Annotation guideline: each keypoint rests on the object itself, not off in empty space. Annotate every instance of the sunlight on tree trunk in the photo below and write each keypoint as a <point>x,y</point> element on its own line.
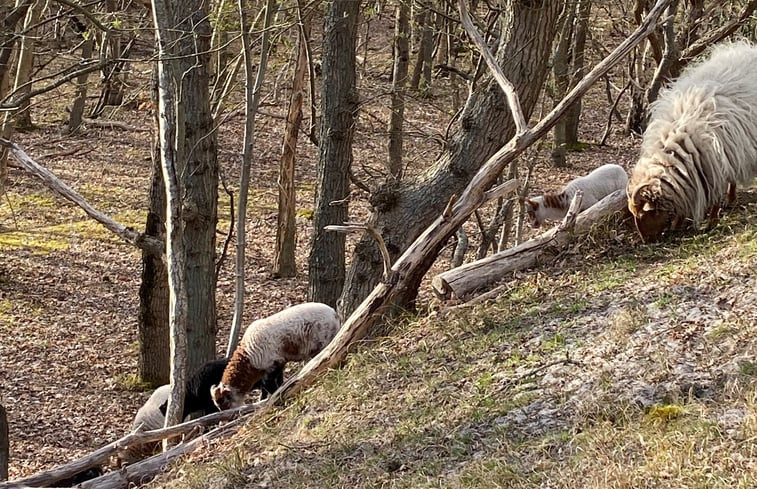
<point>171,134</point>
<point>284,264</point>
<point>23,117</point>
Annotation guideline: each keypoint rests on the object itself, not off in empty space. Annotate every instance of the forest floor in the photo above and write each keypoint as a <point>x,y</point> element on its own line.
<point>629,360</point>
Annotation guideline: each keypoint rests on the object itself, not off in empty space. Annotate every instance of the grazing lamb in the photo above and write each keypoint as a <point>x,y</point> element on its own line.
<point>700,142</point>
<point>294,334</point>
<point>197,402</point>
<point>597,185</point>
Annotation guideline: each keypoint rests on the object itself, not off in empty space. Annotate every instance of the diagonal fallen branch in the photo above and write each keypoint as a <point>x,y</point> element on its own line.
<point>416,259</point>
<point>128,234</point>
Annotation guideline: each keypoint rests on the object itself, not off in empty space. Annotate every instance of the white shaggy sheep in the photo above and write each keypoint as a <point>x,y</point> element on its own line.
<point>597,185</point>
<point>700,142</point>
<point>294,334</point>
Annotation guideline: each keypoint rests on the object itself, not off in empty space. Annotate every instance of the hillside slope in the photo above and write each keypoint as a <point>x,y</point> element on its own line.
<point>622,365</point>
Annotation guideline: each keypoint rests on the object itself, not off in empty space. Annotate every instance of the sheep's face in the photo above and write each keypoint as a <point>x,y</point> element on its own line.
<point>650,211</point>
<point>225,397</point>
<point>532,209</point>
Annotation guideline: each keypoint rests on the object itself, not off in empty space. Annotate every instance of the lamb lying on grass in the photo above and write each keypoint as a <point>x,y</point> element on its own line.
<point>292,335</point>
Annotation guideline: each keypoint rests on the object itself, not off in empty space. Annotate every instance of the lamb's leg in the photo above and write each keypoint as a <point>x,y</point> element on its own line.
<point>714,217</point>
<point>272,381</point>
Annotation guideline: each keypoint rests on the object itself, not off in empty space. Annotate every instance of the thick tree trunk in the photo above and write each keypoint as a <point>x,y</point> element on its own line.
<point>198,170</point>
<point>339,103</point>
<point>403,211</point>
<point>284,264</point>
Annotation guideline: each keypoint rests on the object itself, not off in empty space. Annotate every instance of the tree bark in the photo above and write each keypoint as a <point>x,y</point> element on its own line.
<point>154,335</point>
<point>4,444</point>
<point>23,117</point>
<point>401,212</point>
<point>77,110</point>
<point>399,82</point>
<point>339,104</point>
<point>284,264</point>
<point>573,116</point>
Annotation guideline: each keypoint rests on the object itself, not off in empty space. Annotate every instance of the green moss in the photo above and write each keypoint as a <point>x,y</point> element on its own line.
<point>665,412</point>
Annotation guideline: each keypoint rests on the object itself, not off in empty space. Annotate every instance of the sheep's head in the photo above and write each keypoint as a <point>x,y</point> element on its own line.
<point>651,211</point>
<point>532,211</point>
<point>226,397</point>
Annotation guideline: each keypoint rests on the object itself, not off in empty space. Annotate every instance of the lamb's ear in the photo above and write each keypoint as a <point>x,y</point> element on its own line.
<point>644,197</point>
<point>532,204</point>
<point>216,391</point>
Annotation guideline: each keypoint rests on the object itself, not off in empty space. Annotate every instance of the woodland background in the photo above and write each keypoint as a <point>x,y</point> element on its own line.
<point>74,364</point>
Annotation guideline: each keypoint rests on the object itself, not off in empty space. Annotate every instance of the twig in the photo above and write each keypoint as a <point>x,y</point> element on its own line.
<point>114,125</point>
<point>614,109</point>
<point>357,226</point>
<point>512,97</point>
<point>515,380</point>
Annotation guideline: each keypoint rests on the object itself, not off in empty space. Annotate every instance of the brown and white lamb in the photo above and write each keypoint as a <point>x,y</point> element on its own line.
<point>294,334</point>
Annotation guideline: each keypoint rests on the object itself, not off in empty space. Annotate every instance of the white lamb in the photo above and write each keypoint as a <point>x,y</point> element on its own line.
<point>294,334</point>
<point>597,185</point>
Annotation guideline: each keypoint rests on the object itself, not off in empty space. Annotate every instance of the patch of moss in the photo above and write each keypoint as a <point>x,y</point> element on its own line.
<point>665,412</point>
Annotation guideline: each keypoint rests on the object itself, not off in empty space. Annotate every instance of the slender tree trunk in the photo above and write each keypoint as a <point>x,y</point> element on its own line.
<point>528,29</point>
<point>561,76</point>
<point>252,99</point>
<point>77,110</point>
<point>339,104</point>
<point>422,68</point>
<point>23,117</point>
<point>573,116</point>
<point>399,82</point>
<point>171,133</point>
<point>284,264</point>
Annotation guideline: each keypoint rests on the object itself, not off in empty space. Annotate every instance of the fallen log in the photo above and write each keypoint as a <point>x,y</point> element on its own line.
<point>464,281</point>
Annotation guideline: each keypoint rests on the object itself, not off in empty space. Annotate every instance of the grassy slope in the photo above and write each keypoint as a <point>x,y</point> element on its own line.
<point>632,367</point>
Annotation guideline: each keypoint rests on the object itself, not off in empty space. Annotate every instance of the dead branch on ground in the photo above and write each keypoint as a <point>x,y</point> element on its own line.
<point>128,234</point>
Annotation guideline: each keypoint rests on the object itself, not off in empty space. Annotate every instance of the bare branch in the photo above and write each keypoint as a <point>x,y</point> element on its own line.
<point>130,235</point>
<point>356,226</point>
<point>512,97</point>
<point>720,33</point>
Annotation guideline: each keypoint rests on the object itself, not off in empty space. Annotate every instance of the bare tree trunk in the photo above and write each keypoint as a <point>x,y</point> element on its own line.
<point>485,124</point>
<point>252,98</point>
<point>23,116</point>
<point>77,110</point>
<point>339,104</point>
<point>154,335</point>
<point>422,68</point>
<point>399,82</point>
<point>4,444</point>
<point>573,116</point>
<point>284,264</point>
<point>171,134</point>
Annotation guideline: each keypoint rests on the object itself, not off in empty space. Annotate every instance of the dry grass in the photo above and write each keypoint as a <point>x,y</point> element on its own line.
<point>661,394</point>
